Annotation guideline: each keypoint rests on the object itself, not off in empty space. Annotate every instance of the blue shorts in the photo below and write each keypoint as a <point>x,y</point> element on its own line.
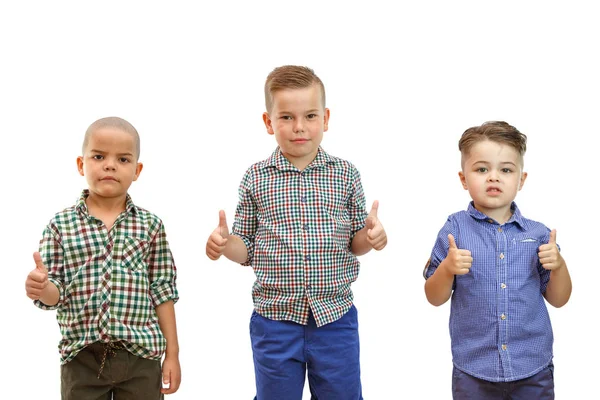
<point>283,352</point>
<point>539,387</point>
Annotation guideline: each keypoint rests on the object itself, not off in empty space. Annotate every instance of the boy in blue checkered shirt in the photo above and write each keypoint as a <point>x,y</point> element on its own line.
<point>498,267</point>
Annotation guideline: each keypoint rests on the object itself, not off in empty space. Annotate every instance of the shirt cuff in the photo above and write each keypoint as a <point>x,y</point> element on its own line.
<point>61,294</point>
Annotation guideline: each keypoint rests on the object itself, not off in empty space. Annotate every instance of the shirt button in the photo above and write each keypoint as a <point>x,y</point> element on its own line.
<point>503,317</point>
<point>105,306</point>
<point>305,227</point>
<point>499,229</point>
<point>491,221</point>
<point>504,347</point>
<point>303,199</point>
<point>501,256</point>
<point>308,287</point>
<point>109,247</point>
<point>307,258</point>
<point>107,276</point>
<point>503,286</point>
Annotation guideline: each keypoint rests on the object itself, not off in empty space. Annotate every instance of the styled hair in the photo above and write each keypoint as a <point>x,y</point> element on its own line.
<point>495,131</point>
<point>113,122</point>
<point>290,77</point>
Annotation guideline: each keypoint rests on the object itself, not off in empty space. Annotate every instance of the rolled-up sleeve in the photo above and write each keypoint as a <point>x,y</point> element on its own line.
<point>356,205</point>
<point>162,271</point>
<point>52,253</point>
<point>245,223</point>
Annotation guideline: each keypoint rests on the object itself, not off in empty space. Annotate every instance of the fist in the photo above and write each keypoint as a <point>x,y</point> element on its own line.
<point>37,280</point>
<point>217,241</point>
<point>376,235</point>
<point>459,261</point>
<point>549,255</point>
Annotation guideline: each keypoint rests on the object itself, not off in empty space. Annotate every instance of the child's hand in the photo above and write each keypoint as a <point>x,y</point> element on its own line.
<point>171,372</point>
<point>376,235</point>
<point>549,255</point>
<point>37,280</point>
<point>218,239</point>
<point>458,261</point>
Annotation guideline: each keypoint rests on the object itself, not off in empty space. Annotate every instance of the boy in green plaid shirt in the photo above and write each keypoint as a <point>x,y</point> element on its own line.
<point>104,264</point>
<point>300,223</point>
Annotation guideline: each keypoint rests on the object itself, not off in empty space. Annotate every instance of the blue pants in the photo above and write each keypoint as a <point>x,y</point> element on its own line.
<point>539,387</point>
<point>283,352</point>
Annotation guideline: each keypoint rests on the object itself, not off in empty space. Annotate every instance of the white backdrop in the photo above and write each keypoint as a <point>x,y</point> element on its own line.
<point>402,84</point>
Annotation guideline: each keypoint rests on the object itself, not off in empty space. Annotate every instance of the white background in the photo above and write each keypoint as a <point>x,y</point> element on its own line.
<point>402,84</point>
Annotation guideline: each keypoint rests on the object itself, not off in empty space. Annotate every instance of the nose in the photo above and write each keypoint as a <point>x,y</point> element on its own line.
<point>298,126</point>
<point>493,176</point>
<point>109,164</point>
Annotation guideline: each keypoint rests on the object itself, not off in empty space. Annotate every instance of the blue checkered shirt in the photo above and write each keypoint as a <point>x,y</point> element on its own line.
<point>499,324</point>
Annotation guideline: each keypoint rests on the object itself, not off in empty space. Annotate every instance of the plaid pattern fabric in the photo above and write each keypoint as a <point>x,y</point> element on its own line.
<point>297,227</point>
<point>499,323</point>
<point>110,282</point>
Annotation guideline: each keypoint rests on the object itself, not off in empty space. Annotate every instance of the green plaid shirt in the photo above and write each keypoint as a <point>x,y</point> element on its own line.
<point>110,282</point>
<point>298,227</point>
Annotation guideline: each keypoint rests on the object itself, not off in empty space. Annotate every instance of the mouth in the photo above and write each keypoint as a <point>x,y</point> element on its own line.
<point>493,189</point>
<point>109,178</point>
<point>299,140</point>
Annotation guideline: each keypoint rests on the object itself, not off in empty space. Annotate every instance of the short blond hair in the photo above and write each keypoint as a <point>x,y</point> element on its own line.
<point>290,77</point>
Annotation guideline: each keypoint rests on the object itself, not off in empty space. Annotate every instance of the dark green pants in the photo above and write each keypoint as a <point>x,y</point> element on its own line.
<point>124,376</point>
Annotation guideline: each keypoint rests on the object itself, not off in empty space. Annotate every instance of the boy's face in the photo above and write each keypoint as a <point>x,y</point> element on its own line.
<point>298,120</point>
<point>493,174</point>
<point>109,162</point>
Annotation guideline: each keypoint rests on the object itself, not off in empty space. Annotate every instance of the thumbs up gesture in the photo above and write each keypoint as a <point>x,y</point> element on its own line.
<point>37,280</point>
<point>459,261</point>
<point>376,235</point>
<point>549,255</point>
<point>218,238</point>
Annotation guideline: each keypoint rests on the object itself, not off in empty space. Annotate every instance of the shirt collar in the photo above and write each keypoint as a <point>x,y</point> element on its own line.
<point>278,160</point>
<point>81,207</point>
<point>516,216</point>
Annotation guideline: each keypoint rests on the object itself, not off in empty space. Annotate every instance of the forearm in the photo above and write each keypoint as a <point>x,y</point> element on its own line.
<point>438,288</point>
<point>168,326</point>
<point>559,288</point>
<point>50,295</point>
<point>236,250</point>
<point>360,245</point>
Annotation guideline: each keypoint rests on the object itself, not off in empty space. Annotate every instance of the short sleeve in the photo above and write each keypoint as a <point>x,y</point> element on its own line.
<point>440,248</point>
<point>245,223</point>
<point>357,204</point>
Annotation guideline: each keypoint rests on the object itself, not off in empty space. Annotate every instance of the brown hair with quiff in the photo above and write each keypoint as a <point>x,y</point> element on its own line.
<point>116,123</point>
<point>495,131</point>
<point>290,77</point>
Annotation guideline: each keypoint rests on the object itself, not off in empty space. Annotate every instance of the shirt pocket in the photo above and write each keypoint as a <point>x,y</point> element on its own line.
<point>133,256</point>
<point>526,248</point>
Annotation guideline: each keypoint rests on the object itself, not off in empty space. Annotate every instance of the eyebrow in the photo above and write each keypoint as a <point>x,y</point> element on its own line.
<point>501,163</point>
<point>104,152</point>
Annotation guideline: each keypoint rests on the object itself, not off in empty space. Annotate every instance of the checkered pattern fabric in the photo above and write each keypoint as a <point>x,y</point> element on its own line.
<point>298,227</point>
<point>110,282</point>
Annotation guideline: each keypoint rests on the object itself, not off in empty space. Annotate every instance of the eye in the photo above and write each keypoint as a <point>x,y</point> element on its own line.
<point>482,169</point>
<point>311,116</point>
<point>286,118</point>
<point>506,170</point>
<point>98,157</point>
<point>124,160</point>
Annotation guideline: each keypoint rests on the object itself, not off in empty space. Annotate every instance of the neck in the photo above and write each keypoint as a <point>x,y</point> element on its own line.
<point>101,204</point>
<point>301,162</point>
<point>501,215</point>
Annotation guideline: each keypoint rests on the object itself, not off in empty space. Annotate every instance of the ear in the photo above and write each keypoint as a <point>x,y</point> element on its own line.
<point>326,120</point>
<point>523,177</point>
<point>138,170</point>
<point>268,123</point>
<point>80,165</point>
<point>463,180</point>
